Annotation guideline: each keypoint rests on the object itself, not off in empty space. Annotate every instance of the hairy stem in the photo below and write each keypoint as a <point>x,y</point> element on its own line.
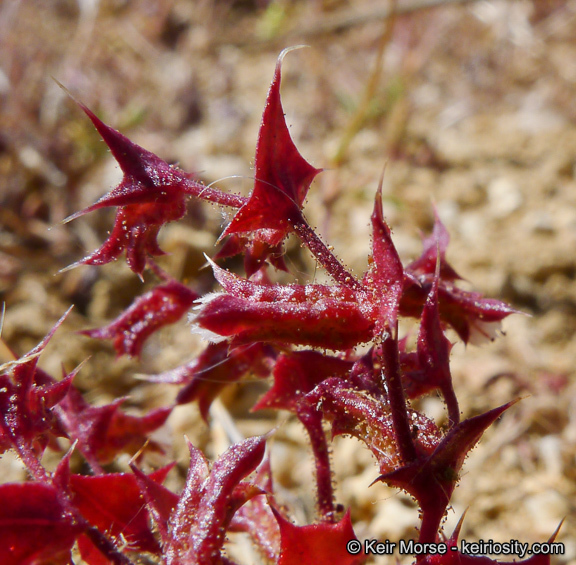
<point>431,519</point>
<point>325,257</point>
<point>32,463</point>
<point>451,404</point>
<point>214,195</point>
<point>312,421</point>
<point>106,547</point>
<point>391,372</point>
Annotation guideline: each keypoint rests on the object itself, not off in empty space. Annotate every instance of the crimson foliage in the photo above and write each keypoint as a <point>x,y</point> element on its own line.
<point>255,328</point>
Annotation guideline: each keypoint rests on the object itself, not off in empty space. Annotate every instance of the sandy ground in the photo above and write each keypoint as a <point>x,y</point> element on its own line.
<point>472,111</point>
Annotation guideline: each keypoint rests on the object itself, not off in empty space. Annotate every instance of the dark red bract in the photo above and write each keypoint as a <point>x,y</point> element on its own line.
<point>282,176</point>
<point>162,306</point>
<point>28,401</point>
<point>151,194</point>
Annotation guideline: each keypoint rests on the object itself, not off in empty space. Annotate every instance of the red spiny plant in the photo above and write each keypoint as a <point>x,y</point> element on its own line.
<point>305,336</point>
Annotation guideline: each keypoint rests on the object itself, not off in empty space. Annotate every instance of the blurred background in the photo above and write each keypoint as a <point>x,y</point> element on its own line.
<point>470,106</point>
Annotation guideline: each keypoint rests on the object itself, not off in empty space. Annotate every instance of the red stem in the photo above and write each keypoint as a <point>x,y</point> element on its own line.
<point>32,463</point>
<point>312,421</point>
<point>214,195</point>
<point>431,519</point>
<point>325,257</point>
<point>105,546</point>
<point>391,371</point>
<point>451,404</point>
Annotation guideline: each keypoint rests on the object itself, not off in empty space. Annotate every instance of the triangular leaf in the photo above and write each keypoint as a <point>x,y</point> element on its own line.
<point>385,275</point>
<point>282,176</point>
<point>114,504</point>
<point>320,544</point>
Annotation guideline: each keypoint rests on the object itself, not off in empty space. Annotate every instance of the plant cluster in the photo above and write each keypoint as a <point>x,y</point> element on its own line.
<point>305,336</point>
